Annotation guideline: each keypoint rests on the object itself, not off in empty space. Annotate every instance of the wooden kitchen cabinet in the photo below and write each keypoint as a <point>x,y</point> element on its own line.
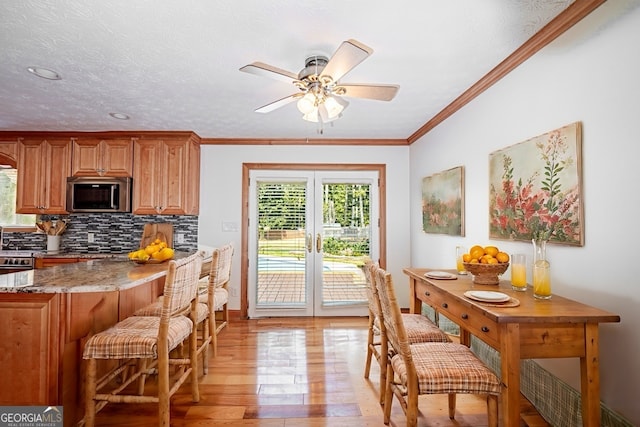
<point>43,262</point>
<point>102,157</point>
<point>166,175</point>
<point>9,150</point>
<point>43,168</point>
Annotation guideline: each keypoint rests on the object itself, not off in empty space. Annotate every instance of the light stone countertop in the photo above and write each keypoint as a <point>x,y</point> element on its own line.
<point>99,275</point>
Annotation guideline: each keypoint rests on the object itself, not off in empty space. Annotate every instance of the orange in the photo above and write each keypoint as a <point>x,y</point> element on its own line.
<point>466,257</point>
<point>502,257</point>
<point>474,261</point>
<point>492,261</point>
<point>166,253</point>
<point>476,252</point>
<point>491,250</point>
<point>151,249</point>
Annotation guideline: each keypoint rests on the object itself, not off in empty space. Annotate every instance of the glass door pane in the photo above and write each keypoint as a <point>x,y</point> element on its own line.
<point>345,206</point>
<point>310,233</point>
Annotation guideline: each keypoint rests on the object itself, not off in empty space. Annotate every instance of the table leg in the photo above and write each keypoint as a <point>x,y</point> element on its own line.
<point>510,373</point>
<point>590,377</point>
<point>415,304</point>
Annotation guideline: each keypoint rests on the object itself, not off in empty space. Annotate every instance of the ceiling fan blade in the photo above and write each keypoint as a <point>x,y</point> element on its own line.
<point>279,103</point>
<point>369,91</point>
<point>349,54</point>
<point>262,69</point>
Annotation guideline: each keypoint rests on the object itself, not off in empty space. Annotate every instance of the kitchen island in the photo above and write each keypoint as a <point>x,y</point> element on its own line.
<point>48,314</point>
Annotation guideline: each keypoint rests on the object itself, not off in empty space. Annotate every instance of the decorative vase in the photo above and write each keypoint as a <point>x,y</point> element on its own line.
<point>541,270</point>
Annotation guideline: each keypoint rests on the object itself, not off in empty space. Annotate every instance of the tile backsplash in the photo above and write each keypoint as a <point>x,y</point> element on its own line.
<point>111,232</point>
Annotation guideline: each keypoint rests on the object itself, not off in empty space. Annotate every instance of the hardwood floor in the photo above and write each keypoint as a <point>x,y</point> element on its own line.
<point>295,372</point>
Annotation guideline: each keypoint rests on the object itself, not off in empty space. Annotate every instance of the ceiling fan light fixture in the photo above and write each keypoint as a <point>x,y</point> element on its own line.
<point>335,106</point>
<point>307,104</point>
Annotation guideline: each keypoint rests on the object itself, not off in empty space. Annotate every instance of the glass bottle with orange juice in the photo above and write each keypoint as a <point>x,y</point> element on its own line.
<point>541,271</point>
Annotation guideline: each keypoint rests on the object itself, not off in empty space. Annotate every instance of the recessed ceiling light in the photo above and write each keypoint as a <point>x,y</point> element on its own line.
<point>119,116</point>
<point>44,73</point>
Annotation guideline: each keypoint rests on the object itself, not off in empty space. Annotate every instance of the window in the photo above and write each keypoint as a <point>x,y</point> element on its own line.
<point>8,215</point>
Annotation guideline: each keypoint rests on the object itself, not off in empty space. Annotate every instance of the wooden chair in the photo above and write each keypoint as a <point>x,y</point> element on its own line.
<point>147,343</point>
<point>428,368</point>
<point>419,329</point>
<point>214,298</point>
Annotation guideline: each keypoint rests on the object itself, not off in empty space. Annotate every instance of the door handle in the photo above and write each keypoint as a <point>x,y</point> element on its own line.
<point>309,242</point>
<point>318,243</point>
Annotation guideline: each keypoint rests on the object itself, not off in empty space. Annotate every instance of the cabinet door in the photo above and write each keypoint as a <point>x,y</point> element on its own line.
<point>106,157</point>
<point>117,157</point>
<point>146,181</point>
<point>43,168</point>
<point>9,150</point>
<point>166,177</point>
<point>175,163</point>
<point>192,185</point>
<point>85,157</point>
<point>30,170</point>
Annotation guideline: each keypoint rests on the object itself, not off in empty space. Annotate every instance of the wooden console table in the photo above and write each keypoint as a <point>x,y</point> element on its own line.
<point>553,328</point>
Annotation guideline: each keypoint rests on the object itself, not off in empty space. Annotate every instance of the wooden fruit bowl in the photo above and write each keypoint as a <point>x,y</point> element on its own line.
<point>486,274</point>
<point>149,261</point>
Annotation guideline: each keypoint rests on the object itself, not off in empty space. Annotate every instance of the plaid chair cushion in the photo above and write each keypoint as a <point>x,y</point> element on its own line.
<point>447,368</point>
<point>203,286</point>
<point>202,312</point>
<point>135,336</point>
<point>221,297</point>
<point>153,309</point>
<point>420,329</point>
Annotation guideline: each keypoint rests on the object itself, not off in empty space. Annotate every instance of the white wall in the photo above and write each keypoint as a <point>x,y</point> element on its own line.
<point>590,74</point>
<point>220,194</point>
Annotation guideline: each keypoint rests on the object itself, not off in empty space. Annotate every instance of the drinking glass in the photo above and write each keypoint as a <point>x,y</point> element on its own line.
<point>542,279</point>
<point>519,272</point>
<point>460,250</point>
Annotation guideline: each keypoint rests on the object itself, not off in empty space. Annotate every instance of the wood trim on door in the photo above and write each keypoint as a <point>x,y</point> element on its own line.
<point>246,170</point>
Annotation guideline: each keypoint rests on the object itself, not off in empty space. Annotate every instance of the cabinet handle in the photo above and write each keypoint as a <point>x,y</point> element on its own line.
<point>484,329</point>
<point>427,293</point>
<point>445,305</point>
<point>464,316</point>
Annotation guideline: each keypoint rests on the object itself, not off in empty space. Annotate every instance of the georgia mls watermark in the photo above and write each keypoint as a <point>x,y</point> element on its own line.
<point>30,416</point>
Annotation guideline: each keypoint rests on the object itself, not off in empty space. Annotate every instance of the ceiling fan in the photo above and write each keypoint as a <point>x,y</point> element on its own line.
<point>320,90</point>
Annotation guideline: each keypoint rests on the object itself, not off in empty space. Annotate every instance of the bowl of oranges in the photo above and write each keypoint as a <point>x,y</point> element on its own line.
<point>486,264</point>
<point>155,252</point>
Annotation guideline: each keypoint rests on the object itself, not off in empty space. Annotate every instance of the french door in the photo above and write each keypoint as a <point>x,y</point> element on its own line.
<point>309,234</point>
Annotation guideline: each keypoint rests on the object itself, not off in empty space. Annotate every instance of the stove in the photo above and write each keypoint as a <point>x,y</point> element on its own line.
<point>12,261</point>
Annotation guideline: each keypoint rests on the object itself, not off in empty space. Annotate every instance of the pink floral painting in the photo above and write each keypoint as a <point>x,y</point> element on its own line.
<point>535,189</point>
<point>443,202</point>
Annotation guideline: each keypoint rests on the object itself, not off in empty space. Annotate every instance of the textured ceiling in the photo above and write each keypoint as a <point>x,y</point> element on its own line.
<point>173,65</point>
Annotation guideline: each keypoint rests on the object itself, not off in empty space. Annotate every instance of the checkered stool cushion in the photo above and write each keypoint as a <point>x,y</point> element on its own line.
<point>420,329</point>
<point>136,337</point>
<point>221,297</point>
<point>447,368</point>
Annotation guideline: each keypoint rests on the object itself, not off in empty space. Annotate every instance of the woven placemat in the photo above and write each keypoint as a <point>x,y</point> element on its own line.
<point>513,302</point>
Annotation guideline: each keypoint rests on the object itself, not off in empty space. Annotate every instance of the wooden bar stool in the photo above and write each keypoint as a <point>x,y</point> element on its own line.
<point>147,343</point>
<point>214,298</point>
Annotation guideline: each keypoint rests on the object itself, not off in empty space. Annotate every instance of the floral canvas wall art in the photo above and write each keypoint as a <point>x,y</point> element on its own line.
<point>536,189</point>
<point>443,202</point>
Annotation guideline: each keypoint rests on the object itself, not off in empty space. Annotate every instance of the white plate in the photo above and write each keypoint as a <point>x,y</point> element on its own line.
<point>441,275</point>
<point>487,296</point>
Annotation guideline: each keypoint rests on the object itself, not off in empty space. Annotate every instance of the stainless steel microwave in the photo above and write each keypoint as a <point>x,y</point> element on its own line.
<point>98,194</point>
